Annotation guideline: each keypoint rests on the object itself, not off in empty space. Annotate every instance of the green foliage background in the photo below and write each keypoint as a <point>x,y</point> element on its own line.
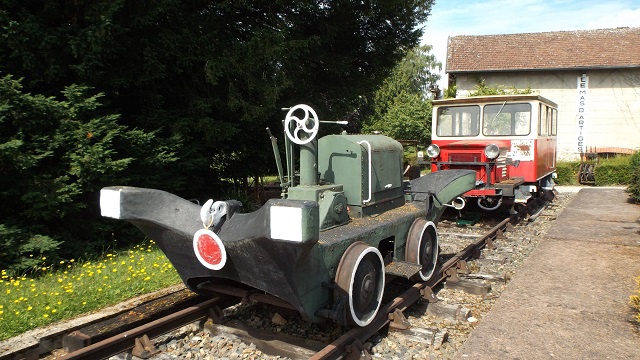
<point>402,105</point>
<point>55,156</point>
<point>634,186</point>
<point>173,95</point>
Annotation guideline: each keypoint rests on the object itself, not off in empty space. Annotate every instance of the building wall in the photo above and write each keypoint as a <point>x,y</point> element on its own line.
<point>606,103</point>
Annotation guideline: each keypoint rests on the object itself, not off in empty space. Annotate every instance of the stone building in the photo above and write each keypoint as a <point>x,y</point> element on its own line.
<point>593,76</point>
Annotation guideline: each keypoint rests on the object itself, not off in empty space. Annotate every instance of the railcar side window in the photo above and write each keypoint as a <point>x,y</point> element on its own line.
<point>458,121</point>
<point>544,120</point>
<point>554,122</point>
<point>506,119</point>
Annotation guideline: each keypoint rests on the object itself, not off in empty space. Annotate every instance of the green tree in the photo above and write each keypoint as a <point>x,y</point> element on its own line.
<point>55,156</point>
<point>195,82</point>
<point>402,105</point>
<point>213,73</point>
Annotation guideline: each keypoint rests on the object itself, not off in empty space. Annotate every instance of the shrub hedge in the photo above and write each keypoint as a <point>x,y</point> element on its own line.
<point>621,170</point>
<point>613,171</point>
<point>567,172</point>
<point>634,174</point>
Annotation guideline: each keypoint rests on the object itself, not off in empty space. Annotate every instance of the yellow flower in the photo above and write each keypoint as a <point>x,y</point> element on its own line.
<point>29,308</point>
<point>45,316</point>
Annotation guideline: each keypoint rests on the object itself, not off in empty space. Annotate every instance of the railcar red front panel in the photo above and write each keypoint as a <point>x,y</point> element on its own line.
<point>535,158</point>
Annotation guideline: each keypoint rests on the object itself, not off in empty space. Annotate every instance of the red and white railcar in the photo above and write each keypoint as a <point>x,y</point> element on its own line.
<point>509,140</point>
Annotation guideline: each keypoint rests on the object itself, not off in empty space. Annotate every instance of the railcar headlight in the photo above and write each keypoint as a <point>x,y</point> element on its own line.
<point>492,151</point>
<point>433,150</point>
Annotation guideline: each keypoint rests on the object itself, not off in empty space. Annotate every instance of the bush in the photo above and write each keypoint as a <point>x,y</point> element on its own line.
<point>634,174</point>
<point>55,156</point>
<point>634,300</point>
<point>613,171</point>
<point>567,172</point>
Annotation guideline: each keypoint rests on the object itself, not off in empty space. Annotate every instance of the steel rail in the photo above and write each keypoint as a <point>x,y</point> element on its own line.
<point>345,343</point>
<point>126,340</point>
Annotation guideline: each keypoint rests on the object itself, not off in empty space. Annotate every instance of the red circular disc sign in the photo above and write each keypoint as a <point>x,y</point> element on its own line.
<point>209,249</point>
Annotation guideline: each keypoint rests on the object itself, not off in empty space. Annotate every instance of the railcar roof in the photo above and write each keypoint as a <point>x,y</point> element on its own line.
<point>494,99</point>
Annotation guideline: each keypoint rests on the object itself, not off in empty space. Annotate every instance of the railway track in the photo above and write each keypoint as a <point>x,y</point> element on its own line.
<point>403,313</point>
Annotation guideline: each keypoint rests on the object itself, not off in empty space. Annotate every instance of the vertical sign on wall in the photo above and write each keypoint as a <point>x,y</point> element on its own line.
<point>581,115</point>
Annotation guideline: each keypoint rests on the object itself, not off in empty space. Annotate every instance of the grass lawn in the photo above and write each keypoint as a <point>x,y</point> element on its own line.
<point>74,288</point>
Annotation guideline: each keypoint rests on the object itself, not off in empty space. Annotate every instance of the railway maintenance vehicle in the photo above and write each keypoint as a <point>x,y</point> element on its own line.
<point>346,224</point>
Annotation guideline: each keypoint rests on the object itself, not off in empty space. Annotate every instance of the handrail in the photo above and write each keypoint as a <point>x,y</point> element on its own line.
<point>370,168</point>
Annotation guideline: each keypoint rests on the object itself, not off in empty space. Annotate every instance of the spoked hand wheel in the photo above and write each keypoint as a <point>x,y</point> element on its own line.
<point>305,128</point>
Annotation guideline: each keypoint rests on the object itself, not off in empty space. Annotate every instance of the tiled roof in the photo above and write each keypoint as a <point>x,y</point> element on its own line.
<point>584,49</point>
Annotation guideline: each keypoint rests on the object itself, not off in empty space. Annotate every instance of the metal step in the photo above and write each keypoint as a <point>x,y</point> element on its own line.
<point>402,268</point>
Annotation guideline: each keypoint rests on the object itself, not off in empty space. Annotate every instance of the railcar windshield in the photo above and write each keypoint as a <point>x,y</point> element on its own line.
<point>458,121</point>
<point>507,119</point>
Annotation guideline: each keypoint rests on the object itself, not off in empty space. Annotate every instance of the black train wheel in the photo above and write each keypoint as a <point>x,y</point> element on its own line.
<point>422,247</point>
<point>360,275</point>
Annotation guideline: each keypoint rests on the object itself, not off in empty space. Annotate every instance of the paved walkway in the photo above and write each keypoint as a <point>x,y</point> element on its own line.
<point>569,300</point>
